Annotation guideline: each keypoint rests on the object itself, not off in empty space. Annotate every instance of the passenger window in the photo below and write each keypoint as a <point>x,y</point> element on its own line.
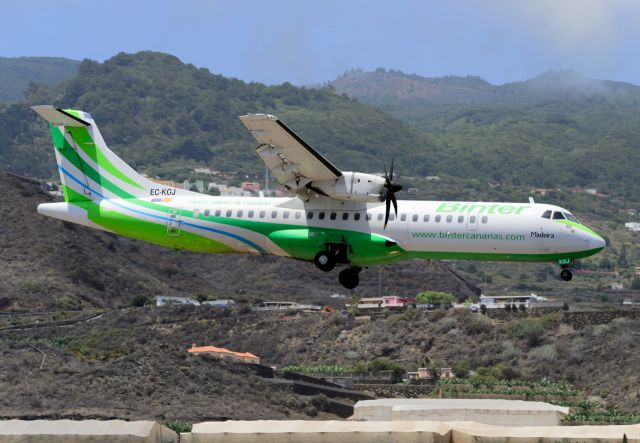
<point>229,213</point>
<point>298,214</point>
<point>333,216</point>
<point>356,216</point>
<point>472,219</point>
<point>274,214</point>
<point>250,214</point>
<point>285,214</point>
<point>309,215</point>
<point>558,216</point>
<point>207,213</point>
<point>380,217</point>
<point>485,219</point>
<point>368,216</point>
<point>403,217</point>
<point>321,215</point>
<point>547,214</point>
<point>414,217</point>
<point>262,214</point>
<point>218,212</point>
<point>196,212</point>
<point>461,219</point>
<point>449,218</point>
<point>392,217</point>
<point>239,213</point>
<point>425,218</point>
<point>438,218</point>
<point>345,216</point>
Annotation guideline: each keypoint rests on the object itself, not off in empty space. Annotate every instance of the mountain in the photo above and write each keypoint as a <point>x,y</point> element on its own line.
<point>47,264</point>
<point>16,74</point>
<point>558,129</point>
<point>164,117</point>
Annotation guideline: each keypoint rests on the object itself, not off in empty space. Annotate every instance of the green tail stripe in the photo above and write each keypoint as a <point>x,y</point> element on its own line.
<point>83,139</point>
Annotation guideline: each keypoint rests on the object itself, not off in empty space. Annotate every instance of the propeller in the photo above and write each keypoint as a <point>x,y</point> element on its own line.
<point>389,193</point>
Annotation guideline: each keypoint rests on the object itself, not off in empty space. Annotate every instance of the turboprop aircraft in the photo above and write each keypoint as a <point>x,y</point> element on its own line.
<point>335,218</point>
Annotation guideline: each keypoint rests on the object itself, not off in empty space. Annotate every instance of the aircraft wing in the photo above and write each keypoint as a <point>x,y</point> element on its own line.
<point>291,160</point>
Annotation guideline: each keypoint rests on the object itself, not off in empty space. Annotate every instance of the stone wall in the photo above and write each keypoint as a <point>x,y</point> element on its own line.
<point>577,319</point>
<point>396,391</point>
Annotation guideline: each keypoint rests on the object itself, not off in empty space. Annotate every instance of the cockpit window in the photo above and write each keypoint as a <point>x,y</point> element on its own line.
<point>547,214</point>
<point>571,217</point>
<point>558,216</point>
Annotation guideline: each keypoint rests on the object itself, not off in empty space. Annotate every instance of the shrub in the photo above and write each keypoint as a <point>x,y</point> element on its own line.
<point>139,300</point>
<point>529,329</point>
<point>461,369</point>
<point>178,426</point>
<point>435,297</point>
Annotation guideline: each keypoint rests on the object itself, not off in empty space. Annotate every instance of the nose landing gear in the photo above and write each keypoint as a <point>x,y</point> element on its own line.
<point>566,275</point>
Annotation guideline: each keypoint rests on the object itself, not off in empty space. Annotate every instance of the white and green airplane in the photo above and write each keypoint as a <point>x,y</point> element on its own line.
<point>335,218</point>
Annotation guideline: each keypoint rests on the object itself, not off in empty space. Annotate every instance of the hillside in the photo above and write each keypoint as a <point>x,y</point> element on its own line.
<point>559,128</point>
<point>16,74</point>
<point>164,117</point>
<point>47,264</point>
<point>90,365</point>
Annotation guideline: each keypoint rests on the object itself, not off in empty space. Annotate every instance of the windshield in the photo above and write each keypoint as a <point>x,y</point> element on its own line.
<point>571,217</point>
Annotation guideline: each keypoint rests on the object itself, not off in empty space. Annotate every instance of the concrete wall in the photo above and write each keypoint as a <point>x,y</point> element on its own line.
<point>401,432</point>
<point>111,431</point>
<point>265,431</point>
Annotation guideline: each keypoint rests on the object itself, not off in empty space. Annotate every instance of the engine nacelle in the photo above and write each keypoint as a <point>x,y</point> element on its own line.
<point>354,186</point>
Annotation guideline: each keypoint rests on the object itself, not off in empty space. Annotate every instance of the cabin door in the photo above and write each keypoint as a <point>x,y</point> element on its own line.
<point>174,221</point>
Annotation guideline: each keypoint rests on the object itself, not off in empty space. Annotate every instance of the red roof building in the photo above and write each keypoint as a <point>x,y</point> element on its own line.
<point>225,354</point>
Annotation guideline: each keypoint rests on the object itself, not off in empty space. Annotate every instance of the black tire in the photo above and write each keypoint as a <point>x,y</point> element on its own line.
<point>325,261</point>
<point>349,278</point>
<point>566,275</point>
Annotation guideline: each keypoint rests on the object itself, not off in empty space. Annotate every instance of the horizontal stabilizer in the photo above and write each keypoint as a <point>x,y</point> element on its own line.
<point>59,117</point>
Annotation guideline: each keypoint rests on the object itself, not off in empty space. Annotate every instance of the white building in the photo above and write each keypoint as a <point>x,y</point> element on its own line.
<point>500,301</point>
<point>633,226</point>
<point>162,300</point>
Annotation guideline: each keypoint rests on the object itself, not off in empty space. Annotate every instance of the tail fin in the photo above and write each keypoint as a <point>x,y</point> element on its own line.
<point>89,170</point>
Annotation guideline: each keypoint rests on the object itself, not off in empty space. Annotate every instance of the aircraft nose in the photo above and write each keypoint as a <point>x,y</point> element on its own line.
<point>598,242</point>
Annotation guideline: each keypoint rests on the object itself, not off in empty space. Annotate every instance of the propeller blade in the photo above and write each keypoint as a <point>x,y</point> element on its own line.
<point>395,203</point>
<point>386,176</point>
<point>391,171</point>
<point>386,214</point>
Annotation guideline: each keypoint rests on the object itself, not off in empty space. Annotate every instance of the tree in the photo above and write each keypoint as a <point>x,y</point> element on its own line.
<point>461,369</point>
<point>635,283</point>
<point>435,298</point>
<point>140,300</point>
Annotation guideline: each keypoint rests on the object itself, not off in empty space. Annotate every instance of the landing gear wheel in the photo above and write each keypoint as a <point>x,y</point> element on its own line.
<point>566,275</point>
<point>349,278</point>
<point>325,261</point>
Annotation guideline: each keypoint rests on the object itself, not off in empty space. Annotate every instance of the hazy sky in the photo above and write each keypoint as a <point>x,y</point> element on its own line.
<point>308,42</point>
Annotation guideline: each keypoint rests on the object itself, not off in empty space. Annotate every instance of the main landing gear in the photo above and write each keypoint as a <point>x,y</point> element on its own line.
<point>349,277</point>
<point>335,253</point>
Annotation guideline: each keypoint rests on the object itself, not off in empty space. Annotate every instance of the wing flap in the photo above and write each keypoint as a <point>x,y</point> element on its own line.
<point>287,155</point>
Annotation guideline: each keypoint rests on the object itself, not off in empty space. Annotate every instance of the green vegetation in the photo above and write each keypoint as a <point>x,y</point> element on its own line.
<point>166,117</point>
<point>16,74</point>
<point>435,297</point>
<point>178,426</point>
<point>140,300</point>
<point>556,129</point>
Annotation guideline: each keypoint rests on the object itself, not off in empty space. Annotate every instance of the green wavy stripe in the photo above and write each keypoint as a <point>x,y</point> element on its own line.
<point>83,139</point>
